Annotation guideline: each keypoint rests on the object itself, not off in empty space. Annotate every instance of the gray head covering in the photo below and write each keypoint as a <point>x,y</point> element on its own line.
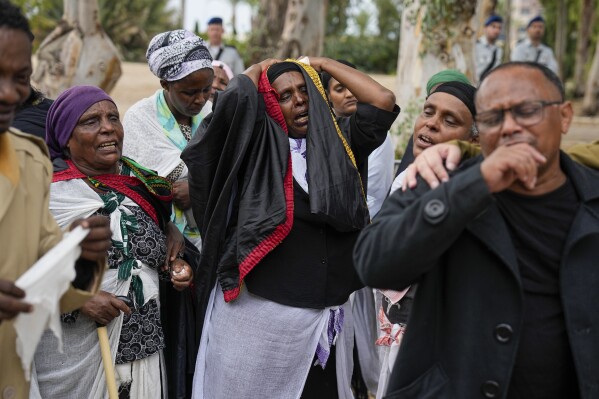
<point>175,54</point>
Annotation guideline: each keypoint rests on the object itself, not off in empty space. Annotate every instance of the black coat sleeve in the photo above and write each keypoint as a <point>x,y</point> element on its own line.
<point>414,229</point>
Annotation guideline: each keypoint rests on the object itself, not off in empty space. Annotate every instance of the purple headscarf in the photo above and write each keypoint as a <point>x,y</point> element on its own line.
<point>65,112</point>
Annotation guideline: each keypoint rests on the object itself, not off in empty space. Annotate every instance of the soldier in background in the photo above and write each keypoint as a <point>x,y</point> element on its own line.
<point>531,48</point>
<point>487,54</point>
<point>220,51</point>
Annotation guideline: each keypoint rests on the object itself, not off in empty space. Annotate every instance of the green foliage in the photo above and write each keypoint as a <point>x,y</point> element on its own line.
<point>43,16</point>
<point>337,16</point>
<point>550,15</point>
<point>403,131</point>
<point>369,53</point>
<point>389,18</point>
<point>362,19</point>
<point>129,24</point>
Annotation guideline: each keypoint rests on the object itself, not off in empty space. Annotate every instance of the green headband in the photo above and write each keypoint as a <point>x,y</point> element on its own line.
<point>448,75</point>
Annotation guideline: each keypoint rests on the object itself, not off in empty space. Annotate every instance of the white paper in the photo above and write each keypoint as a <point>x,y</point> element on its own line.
<point>44,284</point>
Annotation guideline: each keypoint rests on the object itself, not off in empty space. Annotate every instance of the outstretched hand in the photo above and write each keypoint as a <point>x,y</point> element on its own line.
<point>431,165</point>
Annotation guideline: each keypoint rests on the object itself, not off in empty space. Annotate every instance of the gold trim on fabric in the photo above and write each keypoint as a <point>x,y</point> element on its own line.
<point>316,80</point>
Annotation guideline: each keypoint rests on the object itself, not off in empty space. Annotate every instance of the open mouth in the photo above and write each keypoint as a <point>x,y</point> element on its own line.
<point>425,141</point>
<point>108,146</point>
<point>301,118</point>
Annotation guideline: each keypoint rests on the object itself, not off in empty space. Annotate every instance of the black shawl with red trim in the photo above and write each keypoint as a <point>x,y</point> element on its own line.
<point>241,183</point>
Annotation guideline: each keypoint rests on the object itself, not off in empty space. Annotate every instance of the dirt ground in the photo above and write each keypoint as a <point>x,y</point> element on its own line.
<point>138,82</point>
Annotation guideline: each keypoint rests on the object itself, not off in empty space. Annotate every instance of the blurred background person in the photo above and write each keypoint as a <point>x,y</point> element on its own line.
<point>531,48</point>
<point>487,55</point>
<point>219,50</point>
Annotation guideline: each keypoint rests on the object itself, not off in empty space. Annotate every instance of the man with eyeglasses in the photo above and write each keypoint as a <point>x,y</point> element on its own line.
<point>504,252</point>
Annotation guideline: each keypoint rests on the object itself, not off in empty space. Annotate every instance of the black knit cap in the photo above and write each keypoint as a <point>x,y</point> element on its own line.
<point>276,70</point>
<point>462,91</point>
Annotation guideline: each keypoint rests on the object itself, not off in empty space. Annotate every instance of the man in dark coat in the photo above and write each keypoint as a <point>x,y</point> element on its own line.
<point>504,254</point>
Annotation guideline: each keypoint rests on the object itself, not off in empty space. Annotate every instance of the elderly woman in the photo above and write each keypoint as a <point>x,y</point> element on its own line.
<point>277,187</point>
<point>159,127</point>
<point>222,77</point>
<point>85,138</point>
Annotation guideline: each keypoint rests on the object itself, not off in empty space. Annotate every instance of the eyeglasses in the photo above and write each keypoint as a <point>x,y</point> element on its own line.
<point>525,114</point>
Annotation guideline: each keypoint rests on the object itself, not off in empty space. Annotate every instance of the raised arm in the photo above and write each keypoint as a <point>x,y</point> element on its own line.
<point>255,71</point>
<point>366,89</point>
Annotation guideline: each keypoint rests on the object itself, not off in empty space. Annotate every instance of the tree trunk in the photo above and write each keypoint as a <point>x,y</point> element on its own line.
<point>303,33</point>
<point>267,28</point>
<point>234,16</point>
<point>425,50</point>
<point>507,26</point>
<point>583,43</point>
<point>485,10</point>
<point>561,33</point>
<point>182,14</point>
<point>589,103</point>
<point>77,52</point>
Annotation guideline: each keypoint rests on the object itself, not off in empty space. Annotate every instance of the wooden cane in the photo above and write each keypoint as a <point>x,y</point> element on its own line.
<point>107,362</point>
<point>107,355</point>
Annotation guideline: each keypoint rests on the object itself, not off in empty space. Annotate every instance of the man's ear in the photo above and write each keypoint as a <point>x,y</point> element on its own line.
<point>164,84</point>
<point>567,114</point>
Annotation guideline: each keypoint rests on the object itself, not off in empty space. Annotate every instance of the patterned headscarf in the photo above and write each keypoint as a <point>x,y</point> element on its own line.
<point>175,54</point>
<point>64,114</point>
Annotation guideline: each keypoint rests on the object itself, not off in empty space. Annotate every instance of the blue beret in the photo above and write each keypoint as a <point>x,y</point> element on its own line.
<point>538,18</point>
<point>215,21</point>
<point>493,18</point>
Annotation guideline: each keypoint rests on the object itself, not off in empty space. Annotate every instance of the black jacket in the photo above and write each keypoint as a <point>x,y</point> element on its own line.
<point>465,325</point>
